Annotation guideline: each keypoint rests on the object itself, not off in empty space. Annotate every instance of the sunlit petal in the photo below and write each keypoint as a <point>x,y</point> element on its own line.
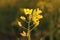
<point>23,18</point>
<point>23,34</point>
<point>19,23</point>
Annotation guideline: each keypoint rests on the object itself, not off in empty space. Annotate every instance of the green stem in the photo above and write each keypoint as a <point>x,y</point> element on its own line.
<point>32,28</point>
<point>24,27</point>
<point>29,38</point>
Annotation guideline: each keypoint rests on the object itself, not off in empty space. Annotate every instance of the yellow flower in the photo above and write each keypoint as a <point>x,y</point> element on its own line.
<point>23,18</point>
<point>34,19</point>
<point>23,34</point>
<point>36,15</point>
<point>19,23</point>
<point>39,16</point>
<point>36,23</point>
<point>37,12</point>
<point>28,11</point>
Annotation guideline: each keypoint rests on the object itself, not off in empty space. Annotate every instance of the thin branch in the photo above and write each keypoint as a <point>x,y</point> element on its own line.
<point>32,28</point>
<point>29,38</point>
<point>23,27</point>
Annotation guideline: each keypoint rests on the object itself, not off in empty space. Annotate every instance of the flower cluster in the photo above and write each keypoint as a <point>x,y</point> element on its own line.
<point>33,15</point>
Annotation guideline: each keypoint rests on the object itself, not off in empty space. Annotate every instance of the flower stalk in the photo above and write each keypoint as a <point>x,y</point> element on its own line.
<point>33,16</point>
<point>28,33</point>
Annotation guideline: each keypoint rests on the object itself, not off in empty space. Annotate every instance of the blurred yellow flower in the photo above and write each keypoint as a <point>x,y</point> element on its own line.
<point>36,15</point>
<point>36,23</point>
<point>23,18</point>
<point>39,16</point>
<point>23,34</point>
<point>19,23</point>
<point>28,11</point>
<point>37,12</point>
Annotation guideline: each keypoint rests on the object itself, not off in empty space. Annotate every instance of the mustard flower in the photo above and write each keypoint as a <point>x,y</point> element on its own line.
<point>28,11</point>
<point>36,23</point>
<point>36,15</point>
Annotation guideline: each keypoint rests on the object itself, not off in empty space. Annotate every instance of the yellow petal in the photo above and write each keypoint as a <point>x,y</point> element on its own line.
<point>19,23</point>
<point>39,11</point>
<point>34,19</point>
<point>39,16</point>
<point>28,11</point>
<point>36,23</point>
<point>23,34</point>
<point>23,18</point>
